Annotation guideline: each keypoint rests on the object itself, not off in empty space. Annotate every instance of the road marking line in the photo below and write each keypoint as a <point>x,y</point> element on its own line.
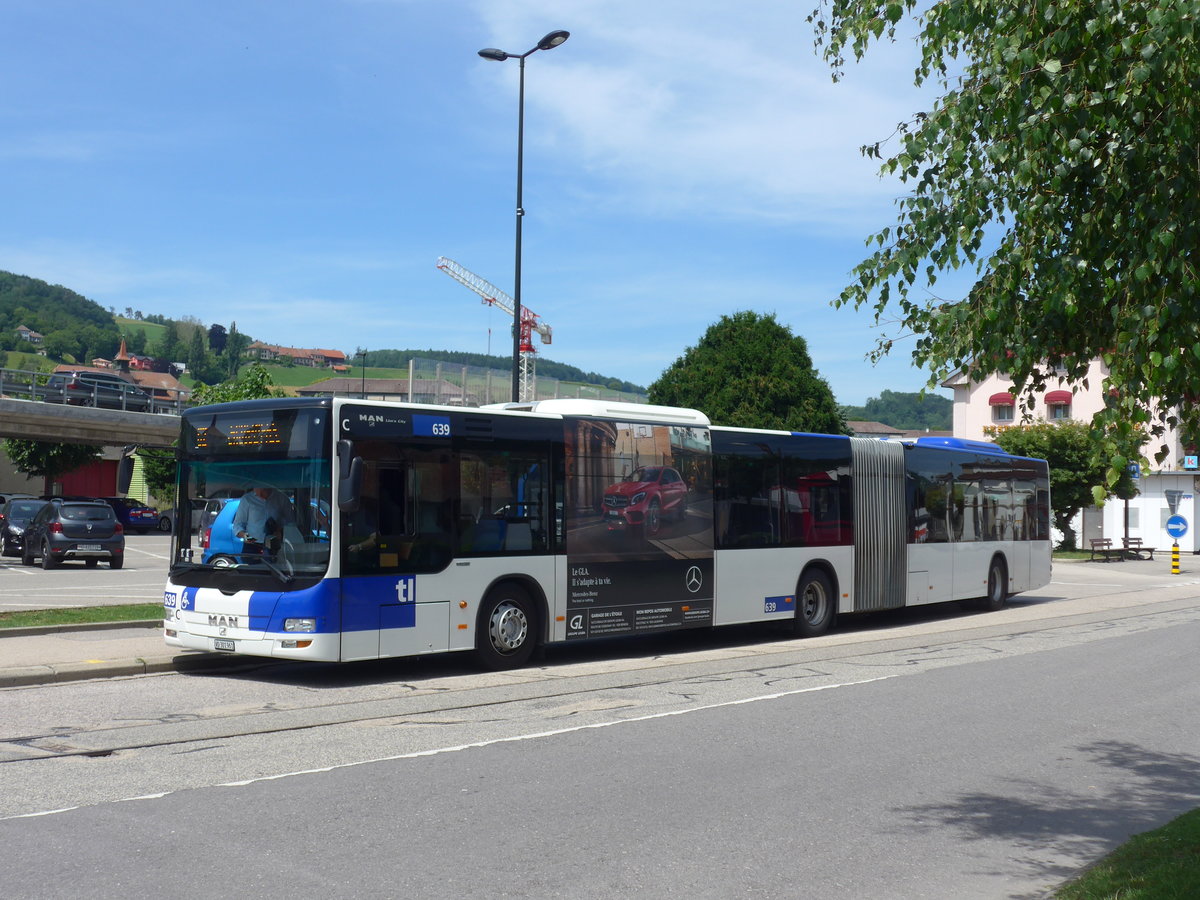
<point>438,751</point>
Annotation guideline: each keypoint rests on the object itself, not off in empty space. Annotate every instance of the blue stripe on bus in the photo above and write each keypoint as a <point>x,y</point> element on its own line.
<point>367,603</point>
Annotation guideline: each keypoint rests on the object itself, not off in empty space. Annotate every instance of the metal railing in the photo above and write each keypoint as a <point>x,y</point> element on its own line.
<point>44,387</point>
<point>452,384</point>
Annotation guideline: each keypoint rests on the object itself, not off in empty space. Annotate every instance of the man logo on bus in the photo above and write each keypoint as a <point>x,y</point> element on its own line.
<point>406,589</point>
<point>694,579</point>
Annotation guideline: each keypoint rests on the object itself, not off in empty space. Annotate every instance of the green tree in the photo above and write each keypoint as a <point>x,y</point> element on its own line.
<point>750,371</point>
<point>48,460</point>
<point>1060,165</point>
<point>1074,469</point>
<point>253,383</point>
<point>62,344</point>
<point>235,345</point>
<point>170,348</point>
<point>159,468</point>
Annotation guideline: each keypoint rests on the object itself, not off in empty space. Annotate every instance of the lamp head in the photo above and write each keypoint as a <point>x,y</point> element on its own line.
<point>553,39</point>
<point>493,53</point>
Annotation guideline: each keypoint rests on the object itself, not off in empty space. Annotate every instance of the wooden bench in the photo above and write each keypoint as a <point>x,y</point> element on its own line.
<point>1135,550</point>
<point>1102,548</point>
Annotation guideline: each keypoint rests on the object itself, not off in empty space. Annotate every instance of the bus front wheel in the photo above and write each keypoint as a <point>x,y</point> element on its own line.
<point>507,629</point>
<point>814,604</point>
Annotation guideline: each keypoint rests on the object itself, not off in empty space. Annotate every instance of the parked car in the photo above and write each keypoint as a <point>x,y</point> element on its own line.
<point>18,513</point>
<point>644,498</point>
<point>166,521</point>
<point>5,496</point>
<point>133,514</point>
<point>74,529</point>
<point>99,389</point>
<point>220,547</point>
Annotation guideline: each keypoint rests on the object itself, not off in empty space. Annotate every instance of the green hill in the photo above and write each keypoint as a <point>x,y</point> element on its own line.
<point>73,328</point>
<point>76,330</point>
<point>914,411</point>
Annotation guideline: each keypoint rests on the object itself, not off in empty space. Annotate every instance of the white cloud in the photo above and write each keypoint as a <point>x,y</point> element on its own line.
<point>676,107</point>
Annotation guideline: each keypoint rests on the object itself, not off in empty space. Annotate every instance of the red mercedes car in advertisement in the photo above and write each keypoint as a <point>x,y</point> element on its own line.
<point>644,498</point>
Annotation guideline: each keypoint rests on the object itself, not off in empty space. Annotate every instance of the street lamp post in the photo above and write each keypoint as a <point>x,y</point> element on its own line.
<point>549,42</point>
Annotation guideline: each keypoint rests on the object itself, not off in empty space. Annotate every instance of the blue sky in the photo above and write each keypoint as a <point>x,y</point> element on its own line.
<point>298,167</point>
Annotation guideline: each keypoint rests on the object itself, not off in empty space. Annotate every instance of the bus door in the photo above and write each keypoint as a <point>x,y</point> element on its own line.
<point>929,492</point>
<point>402,528</point>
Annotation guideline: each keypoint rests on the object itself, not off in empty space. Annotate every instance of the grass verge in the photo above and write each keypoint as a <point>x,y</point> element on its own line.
<point>1164,863</point>
<point>87,615</point>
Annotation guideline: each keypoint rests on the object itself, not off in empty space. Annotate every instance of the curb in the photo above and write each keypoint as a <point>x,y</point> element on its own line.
<point>186,662</point>
<point>24,676</point>
<point>35,630</point>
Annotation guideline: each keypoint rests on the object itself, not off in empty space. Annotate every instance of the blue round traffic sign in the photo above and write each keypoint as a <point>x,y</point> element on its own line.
<point>1177,526</point>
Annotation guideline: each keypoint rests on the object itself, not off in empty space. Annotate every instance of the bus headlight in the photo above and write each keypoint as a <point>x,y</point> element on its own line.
<point>299,624</point>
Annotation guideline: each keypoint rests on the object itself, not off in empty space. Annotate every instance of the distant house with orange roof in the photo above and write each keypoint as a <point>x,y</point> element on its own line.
<point>301,356</point>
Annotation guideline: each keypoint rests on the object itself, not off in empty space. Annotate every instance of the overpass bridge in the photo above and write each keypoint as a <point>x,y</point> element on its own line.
<point>37,421</point>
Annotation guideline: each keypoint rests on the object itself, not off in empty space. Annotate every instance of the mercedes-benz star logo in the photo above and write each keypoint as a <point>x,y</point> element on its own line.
<point>694,579</point>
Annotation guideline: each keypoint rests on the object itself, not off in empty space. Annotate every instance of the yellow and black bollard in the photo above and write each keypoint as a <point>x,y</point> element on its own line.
<point>1175,558</point>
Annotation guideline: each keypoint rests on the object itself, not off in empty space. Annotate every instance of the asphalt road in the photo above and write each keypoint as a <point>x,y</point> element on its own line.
<point>923,754</point>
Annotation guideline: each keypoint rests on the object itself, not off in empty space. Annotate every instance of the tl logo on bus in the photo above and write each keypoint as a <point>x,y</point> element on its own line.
<point>406,589</point>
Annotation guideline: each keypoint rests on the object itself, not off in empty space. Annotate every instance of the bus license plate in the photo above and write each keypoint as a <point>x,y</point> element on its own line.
<point>222,645</point>
<point>89,547</point>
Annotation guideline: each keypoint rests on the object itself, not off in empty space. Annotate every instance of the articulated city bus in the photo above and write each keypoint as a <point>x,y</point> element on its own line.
<point>401,529</point>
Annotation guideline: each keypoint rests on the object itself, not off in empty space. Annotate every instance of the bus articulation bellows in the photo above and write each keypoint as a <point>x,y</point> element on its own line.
<point>412,529</point>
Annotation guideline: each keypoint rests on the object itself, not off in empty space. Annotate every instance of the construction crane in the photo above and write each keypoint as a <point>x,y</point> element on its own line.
<point>530,321</point>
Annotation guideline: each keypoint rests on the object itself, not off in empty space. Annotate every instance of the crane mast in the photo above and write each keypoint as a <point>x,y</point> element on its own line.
<point>530,321</point>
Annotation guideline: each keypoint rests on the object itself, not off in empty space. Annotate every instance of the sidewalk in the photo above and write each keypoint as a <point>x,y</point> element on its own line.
<point>73,653</point>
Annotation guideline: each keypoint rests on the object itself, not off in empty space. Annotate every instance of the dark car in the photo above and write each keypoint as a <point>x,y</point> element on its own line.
<point>135,515</point>
<point>74,529</point>
<point>18,513</point>
<point>99,389</point>
<point>644,498</point>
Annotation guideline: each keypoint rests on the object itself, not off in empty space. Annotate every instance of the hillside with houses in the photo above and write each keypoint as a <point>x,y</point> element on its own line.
<point>48,328</point>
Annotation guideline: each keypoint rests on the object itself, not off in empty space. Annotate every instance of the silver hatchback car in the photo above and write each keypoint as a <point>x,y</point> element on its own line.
<point>74,529</point>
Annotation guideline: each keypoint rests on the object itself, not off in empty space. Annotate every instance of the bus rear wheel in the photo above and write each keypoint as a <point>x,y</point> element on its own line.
<point>814,604</point>
<point>506,632</point>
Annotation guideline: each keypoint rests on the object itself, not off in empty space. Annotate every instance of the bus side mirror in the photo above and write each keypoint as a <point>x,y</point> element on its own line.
<point>350,482</point>
<point>124,474</point>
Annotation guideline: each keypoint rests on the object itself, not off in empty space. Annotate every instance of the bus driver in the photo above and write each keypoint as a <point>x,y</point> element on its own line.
<point>260,517</point>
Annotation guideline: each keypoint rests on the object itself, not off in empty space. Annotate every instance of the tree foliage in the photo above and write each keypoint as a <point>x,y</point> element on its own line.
<point>750,371</point>
<point>1074,469</point>
<point>48,460</point>
<point>159,468</point>
<point>914,411</point>
<point>1060,165</point>
<point>254,382</point>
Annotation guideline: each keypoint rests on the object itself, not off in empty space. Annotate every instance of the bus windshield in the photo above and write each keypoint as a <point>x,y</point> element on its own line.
<point>254,498</point>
